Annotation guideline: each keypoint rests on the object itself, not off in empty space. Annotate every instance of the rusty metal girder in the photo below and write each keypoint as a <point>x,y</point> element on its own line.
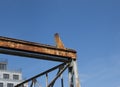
<point>17,46</point>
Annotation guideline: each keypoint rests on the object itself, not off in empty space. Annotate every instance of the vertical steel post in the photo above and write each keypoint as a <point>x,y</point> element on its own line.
<point>62,82</point>
<point>73,75</point>
<point>46,80</point>
<point>76,75</point>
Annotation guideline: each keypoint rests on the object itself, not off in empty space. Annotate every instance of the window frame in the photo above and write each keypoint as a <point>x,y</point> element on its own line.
<point>2,84</point>
<point>6,76</point>
<point>10,85</point>
<point>15,77</point>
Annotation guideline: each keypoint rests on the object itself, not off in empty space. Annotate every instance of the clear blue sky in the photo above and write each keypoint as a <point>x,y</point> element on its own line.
<point>92,27</point>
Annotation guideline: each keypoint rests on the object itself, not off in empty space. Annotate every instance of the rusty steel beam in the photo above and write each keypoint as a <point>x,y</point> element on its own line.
<point>28,49</point>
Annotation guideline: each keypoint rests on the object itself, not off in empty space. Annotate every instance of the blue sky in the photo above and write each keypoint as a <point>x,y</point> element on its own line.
<point>91,27</point>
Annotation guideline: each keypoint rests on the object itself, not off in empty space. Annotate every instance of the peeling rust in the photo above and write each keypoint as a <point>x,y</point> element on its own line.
<point>22,45</point>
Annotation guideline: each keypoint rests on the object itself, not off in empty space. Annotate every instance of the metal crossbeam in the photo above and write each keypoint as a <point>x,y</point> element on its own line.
<point>35,50</point>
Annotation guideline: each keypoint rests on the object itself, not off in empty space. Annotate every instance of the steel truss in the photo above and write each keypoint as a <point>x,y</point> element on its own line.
<point>45,52</point>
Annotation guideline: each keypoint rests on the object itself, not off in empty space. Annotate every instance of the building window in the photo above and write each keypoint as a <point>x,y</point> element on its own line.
<point>6,76</point>
<point>16,77</point>
<point>10,85</point>
<point>1,84</point>
<point>2,66</point>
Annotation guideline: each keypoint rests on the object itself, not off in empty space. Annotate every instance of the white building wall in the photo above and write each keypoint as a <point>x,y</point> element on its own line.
<point>11,80</point>
<point>11,73</point>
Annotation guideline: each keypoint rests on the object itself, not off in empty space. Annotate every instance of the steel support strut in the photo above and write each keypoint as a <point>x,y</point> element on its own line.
<point>41,74</point>
<point>73,75</point>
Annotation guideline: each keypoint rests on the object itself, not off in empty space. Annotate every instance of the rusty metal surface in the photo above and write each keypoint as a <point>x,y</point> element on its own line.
<point>21,45</point>
<point>59,43</point>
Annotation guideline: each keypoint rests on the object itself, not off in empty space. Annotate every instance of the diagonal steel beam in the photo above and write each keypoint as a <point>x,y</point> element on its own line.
<point>43,73</point>
<point>58,75</point>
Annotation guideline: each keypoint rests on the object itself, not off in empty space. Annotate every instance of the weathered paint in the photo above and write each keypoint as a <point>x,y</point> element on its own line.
<point>22,45</point>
